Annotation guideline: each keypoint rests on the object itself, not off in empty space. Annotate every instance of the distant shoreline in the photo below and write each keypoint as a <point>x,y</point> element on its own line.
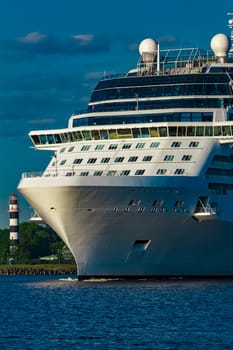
<point>45,269</point>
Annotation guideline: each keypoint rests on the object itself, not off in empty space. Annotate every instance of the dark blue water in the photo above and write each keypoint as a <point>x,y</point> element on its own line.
<point>47,313</point>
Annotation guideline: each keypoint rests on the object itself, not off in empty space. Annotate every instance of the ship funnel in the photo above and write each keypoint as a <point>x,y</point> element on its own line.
<point>220,44</point>
<point>148,51</point>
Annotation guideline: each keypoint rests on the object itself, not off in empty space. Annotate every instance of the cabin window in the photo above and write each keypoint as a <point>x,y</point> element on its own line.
<point>186,157</point>
<point>161,171</point>
<point>99,147</point>
<point>193,144</point>
<point>134,202</point>
<point>113,146</point>
<point>179,171</point>
<point>139,172</point>
<point>158,203</point>
<point>125,172</point>
<point>84,173</point>
<point>63,162</point>
<point>147,158</point>
<point>132,159</point>
<point>105,160</point>
<point>127,146</point>
<point>140,145</point>
<point>154,145</point>
<point>71,149</point>
<point>98,173</point>
<point>176,144</point>
<point>91,160</point>
<point>119,160</point>
<point>77,161</point>
<point>168,158</point>
<point>85,148</point>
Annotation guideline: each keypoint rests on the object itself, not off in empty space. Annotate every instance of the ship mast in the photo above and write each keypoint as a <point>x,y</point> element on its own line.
<point>230,25</point>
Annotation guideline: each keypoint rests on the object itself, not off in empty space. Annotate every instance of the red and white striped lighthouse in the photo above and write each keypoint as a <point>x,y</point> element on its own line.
<point>14,221</point>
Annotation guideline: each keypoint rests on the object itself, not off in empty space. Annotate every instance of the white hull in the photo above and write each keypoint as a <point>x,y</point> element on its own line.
<point>101,230</point>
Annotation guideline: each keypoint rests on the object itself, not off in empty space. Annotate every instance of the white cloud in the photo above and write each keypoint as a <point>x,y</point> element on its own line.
<point>94,75</point>
<point>83,38</point>
<point>32,38</point>
<point>42,121</point>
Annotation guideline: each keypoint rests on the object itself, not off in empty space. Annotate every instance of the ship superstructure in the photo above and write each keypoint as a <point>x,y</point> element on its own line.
<point>141,183</point>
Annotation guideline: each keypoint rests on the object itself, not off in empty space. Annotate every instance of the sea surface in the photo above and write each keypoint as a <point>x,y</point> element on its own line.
<point>39,312</point>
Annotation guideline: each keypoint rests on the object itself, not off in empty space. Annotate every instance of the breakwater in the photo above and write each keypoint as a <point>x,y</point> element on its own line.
<point>38,270</point>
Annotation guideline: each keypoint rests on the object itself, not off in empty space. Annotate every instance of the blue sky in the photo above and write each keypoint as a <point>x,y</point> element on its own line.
<point>52,53</point>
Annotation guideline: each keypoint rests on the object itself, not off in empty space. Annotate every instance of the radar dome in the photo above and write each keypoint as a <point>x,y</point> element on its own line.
<point>220,44</point>
<point>148,50</point>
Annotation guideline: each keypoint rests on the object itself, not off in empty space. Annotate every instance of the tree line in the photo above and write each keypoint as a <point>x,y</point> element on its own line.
<point>35,241</point>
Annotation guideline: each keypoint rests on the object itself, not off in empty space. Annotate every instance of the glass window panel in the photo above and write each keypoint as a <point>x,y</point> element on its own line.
<point>226,130</point>
<point>57,138</point>
<point>172,130</point>
<point>113,134</point>
<point>104,134</point>
<point>86,135</point>
<point>36,139</point>
<point>95,134</point>
<point>190,131</point>
<point>181,131</point>
<point>50,139</point>
<point>43,139</point>
<point>136,132</point>
<point>154,132</point>
<point>124,133</point>
<point>145,132</point>
<point>200,131</point>
<point>217,130</point>
<point>208,131</point>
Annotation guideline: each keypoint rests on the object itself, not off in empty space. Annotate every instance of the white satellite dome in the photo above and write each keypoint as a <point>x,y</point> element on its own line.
<point>220,44</point>
<point>148,50</point>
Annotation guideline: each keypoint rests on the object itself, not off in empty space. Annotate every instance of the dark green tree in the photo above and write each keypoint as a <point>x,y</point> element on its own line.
<point>35,241</point>
<point>4,246</point>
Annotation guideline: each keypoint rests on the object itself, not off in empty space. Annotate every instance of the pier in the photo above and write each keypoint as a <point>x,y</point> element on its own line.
<point>46,269</point>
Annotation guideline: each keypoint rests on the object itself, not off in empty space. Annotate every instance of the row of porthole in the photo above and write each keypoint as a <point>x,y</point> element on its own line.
<point>139,145</point>
<point>131,159</point>
<point>153,210</point>
<point>142,210</point>
<point>178,171</point>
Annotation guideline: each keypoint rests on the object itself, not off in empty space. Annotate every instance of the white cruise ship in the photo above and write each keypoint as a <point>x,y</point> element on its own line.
<point>141,183</point>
